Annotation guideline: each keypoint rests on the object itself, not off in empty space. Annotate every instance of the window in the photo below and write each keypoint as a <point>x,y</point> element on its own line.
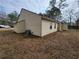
<point>55,26</point>
<point>51,26</point>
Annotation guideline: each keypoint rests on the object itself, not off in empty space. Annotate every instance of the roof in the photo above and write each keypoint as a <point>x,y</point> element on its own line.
<point>42,17</point>
<point>48,19</point>
<point>30,11</point>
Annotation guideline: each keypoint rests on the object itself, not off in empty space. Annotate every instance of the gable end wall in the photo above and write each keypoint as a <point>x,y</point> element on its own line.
<point>32,22</point>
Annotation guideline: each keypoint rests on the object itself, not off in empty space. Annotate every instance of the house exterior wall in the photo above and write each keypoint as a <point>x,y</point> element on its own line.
<point>19,27</point>
<point>62,27</point>
<point>59,27</point>
<point>32,22</point>
<point>46,27</point>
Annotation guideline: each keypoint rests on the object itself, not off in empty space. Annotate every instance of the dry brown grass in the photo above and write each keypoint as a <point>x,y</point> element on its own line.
<point>60,45</point>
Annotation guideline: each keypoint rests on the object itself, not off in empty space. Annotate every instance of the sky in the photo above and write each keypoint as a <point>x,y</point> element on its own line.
<point>32,5</point>
<point>73,5</point>
<point>37,6</point>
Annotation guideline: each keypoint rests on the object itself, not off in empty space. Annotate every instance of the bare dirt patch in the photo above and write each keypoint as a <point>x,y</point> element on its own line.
<point>60,45</point>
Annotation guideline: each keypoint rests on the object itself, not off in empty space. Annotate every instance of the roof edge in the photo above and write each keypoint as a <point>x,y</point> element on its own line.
<point>30,11</point>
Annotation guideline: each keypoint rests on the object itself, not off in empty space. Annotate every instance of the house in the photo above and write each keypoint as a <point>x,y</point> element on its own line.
<point>62,26</point>
<point>37,24</point>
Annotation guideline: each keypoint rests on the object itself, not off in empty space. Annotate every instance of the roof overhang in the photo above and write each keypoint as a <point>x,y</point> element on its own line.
<point>48,19</point>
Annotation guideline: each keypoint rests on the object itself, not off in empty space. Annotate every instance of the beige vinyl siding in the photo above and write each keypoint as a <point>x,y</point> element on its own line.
<point>32,22</point>
<point>19,27</point>
<point>59,27</point>
<point>46,27</point>
<point>62,26</point>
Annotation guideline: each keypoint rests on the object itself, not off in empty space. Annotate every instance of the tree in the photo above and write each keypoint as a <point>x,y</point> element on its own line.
<point>54,11</point>
<point>13,17</point>
<point>77,22</point>
<point>52,3</point>
<point>3,22</point>
<point>62,5</point>
<point>70,15</point>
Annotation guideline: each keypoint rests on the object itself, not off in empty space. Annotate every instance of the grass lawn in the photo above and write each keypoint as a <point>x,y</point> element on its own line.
<point>60,45</point>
